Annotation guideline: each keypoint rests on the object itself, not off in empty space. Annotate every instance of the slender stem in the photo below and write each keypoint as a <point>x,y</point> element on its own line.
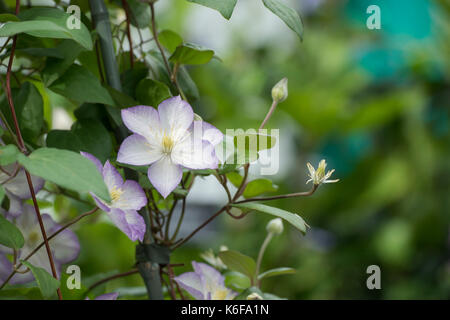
<point>200,227</point>
<point>130,41</point>
<point>172,289</point>
<point>169,218</point>
<point>282,196</point>
<point>155,37</point>
<point>113,277</point>
<point>269,114</point>
<point>261,253</point>
<point>243,183</point>
<point>43,243</point>
<point>180,220</point>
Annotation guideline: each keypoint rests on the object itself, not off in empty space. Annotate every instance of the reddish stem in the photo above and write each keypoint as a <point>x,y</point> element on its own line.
<point>130,42</point>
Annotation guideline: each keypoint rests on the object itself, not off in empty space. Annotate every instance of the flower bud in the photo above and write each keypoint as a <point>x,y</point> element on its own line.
<point>280,90</point>
<point>275,226</point>
<point>254,296</point>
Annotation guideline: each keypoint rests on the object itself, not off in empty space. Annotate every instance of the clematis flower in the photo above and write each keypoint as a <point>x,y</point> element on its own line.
<point>16,187</point>
<point>318,176</point>
<point>126,198</point>
<point>168,139</point>
<point>205,283</point>
<point>106,296</point>
<point>65,247</point>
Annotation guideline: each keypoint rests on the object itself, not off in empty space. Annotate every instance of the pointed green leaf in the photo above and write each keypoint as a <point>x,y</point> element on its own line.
<point>8,154</point>
<point>46,283</point>
<point>189,53</point>
<point>238,262</point>
<point>169,39</point>
<point>10,235</point>
<point>276,272</point>
<point>225,7</point>
<point>151,92</point>
<point>290,217</point>
<point>287,14</point>
<point>67,169</point>
<point>259,186</point>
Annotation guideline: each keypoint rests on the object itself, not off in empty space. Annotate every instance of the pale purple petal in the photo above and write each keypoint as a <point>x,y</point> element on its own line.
<point>211,274</point>
<point>133,197</point>
<point>102,205</point>
<point>108,296</point>
<point>195,154</point>
<point>192,283</point>
<point>15,205</point>
<point>111,176</point>
<point>211,133</point>
<point>5,267</point>
<point>91,157</point>
<point>165,176</point>
<point>130,223</point>
<point>137,151</point>
<point>176,116</point>
<point>19,184</point>
<point>142,120</point>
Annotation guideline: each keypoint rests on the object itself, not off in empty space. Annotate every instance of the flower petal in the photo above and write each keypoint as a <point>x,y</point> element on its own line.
<point>65,246</point>
<point>212,276</point>
<point>137,151</point>
<point>165,176</point>
<point>19,184</point>
<point>102,205</point>
<point>142,120</point>
<point>129,222</point>
<point>108,296</point>
<point>112,177</point>
<point>192,283</point>
<point>195,154</point>
<point>176,117</point>
<point>211,133</point>
<point>91,157</point>
<point>133,197</point>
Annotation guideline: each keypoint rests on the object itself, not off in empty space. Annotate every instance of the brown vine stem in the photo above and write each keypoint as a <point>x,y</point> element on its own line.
<point>23,149</point>
<point>116,276</point>
<point>283,196</point>
<point>48,239</point>
<point>130,41</point>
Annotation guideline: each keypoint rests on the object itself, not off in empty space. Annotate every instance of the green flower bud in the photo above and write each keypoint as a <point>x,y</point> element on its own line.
<point>254,296</point>
<point>275,226</point>
<point>280,90</point>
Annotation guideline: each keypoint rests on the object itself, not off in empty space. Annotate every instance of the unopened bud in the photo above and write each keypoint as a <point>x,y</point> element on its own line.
<point>280,90</point>
<point>275,226</point>
<point>254,296</point>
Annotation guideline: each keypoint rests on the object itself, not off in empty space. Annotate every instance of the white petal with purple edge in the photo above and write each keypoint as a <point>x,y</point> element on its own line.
<point>130,223</point>
<point>133,197</point>
<point>192,283</point>
<point>108,296</point>
<point>211,133</point>
<point>142,120</point>
<point>195,154</point>
<point>111,176</point>
<point>65,246</point>
<point>137,151</point>
<point>211,274</point>
<point>165,176</point>
<point>176,116</point>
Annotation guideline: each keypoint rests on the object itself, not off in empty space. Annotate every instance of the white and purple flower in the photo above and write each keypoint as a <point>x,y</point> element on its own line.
<point>168,139</point>
<point>127,197</point>
<point>205,283</point>
<point>106,296</point>
<point>65,247</point>
<point>16,187</point>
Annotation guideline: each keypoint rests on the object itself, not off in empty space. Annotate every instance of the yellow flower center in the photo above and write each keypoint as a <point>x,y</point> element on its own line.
<point>220,294</point>
<point>33,238</point>
<point>167,144</point>
<point>115,193</point>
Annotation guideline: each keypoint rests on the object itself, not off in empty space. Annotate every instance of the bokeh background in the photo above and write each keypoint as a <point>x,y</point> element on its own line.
<point>374,103</point>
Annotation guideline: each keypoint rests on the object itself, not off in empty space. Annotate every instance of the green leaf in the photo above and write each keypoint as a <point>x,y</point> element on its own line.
<point>85,135</point>
<point>189,53</point>
<point>236,280</point>
<point>287,14</point>
<point>67,169</point>
<point>8,154</point>
<point>235,178</point>
<point>225,7</point>
<point>2,194</point>
<point>42,52</point>
<point>259,186</point>
<point>10,235</point>
<point>151,92</point>
<point>121,100</point>
<point>47,23</point>
<point>253,141</point>
<point>290,217</point>
<point>239,262</point>
<point>55,67</point>
<point>46,283</point>
<point>243,295</point>
<point>169,39</point>
<point>140,13</point>
<point>81,85</point>
<point>5,17</point>
<point>276,272</point>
